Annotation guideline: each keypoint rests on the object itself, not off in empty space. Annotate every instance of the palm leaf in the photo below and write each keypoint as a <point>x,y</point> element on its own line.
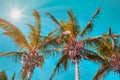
<point>71,25</point>
<point>113,45</point>
<point>3,75</point>
<point>53,18</point>
<point>38,24</point>
<point>104,46</point>
<point>23,75</point>
<point>62,61</point>
<point>14,33</point>
<point>15,56</point>
<point>51,52</point>
<point>48,42</point>
<point>11,53</point>
<point>50,35</point>
<point>31,28</point>
<point>100,37</point>
<point>42,61</point>
<point>13,77</point>
<point>73,22</point>
<point>72,17</point>
<point>93,56</point>
<point>95,41</point>
<point>101,72</point>
<point>34,35</point>
<point>89,26</point>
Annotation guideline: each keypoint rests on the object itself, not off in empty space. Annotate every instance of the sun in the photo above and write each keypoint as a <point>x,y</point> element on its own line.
<point>15,14</point>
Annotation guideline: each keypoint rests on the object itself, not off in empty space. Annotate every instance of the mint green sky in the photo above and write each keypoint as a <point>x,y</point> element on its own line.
<point>83,10</point>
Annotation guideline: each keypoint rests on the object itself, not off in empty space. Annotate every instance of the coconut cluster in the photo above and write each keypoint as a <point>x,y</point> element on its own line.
<point>115,63</point>
<point>30,61</point>
<point>74,49</point>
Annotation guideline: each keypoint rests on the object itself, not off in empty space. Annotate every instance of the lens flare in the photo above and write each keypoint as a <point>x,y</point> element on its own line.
<point>15,14</point>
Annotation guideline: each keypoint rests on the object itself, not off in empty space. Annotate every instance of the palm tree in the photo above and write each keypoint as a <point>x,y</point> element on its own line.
<point>72,48</point>
<point>3,76</point>
<point>32,57</point>
<point>108,48</point>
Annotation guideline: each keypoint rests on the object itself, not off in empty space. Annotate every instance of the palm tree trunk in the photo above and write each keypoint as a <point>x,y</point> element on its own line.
<point>76,71</point>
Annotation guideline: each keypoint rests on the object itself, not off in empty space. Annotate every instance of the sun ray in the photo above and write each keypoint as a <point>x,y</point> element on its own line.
<point>15,14</point>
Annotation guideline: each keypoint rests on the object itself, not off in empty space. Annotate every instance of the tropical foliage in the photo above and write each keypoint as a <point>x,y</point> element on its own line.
<point>69,39</point>
<point>32,57</point>
<point>71,36</point>
<point>3,76</point>
<point>108,48</point>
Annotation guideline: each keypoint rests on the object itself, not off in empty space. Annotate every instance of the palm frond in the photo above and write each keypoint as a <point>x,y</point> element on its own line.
<point>95,14</point>
<point>110,34</point>
<point>48,42</point>
<point>66,63</point>
<point>92,38</point>
<point>98,40</point>
<point>31,28</point>
<point>23,75</point>
<point>89,26</point>
<point>101,72</point>
<point>113,45</point>
<point>113,41</point>
<point>115,35</point>
<point>63,61</point>
<point>38,22</point>
<point>72,17</point>
<point>87,29</point>
<point>50,35</point>
<point>53,18</point>
<point>34,35</point>
<point>13,77</point>
<point>105,46</point>
<point>93,56</point>
<point>51,52</point>
<point>73,22</point>
<point>93,41</point>
<point>71,25</point>
<point>3,75</point>
<point>41,61</point>
<point>109,31</point>
<point>10,53</point>
<point>14,33</point>
<point>15,56</point>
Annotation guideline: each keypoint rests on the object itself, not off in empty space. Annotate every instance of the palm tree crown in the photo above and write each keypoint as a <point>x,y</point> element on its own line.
<point>32,57</point>
<point>69,32</point>
<point>107,47</point>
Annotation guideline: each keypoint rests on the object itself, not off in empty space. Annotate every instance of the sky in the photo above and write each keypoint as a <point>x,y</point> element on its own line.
<point>83,10</point>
